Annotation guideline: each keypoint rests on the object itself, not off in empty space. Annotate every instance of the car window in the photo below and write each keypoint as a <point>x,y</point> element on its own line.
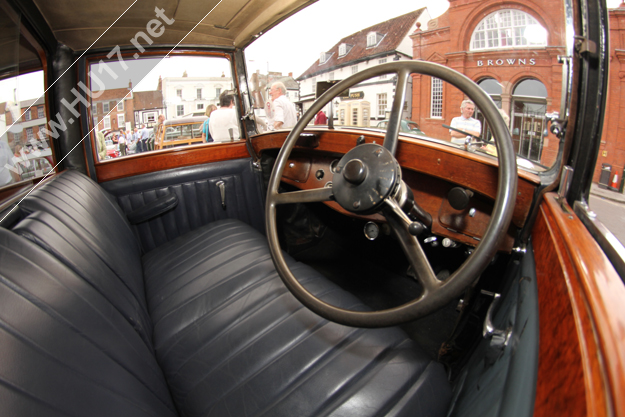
<point>25,133</point>
<point>134,98</point>
<point>512,62</point>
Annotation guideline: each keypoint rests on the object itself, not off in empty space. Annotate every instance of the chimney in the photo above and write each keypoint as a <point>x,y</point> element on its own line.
<point>291,74</point>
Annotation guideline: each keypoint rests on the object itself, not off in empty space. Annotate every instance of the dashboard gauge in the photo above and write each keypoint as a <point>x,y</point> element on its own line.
<point>372,231</point>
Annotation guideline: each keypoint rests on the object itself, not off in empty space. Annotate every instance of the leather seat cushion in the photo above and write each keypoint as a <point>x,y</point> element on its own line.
<point>232,340</point>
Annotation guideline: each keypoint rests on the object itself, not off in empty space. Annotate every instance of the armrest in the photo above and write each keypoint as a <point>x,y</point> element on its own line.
<point>155,208</point>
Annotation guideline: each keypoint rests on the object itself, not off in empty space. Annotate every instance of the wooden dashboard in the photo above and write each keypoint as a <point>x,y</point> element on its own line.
<point>430,169</point>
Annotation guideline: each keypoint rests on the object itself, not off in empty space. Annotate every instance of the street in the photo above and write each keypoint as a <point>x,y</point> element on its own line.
<point>611,214</point>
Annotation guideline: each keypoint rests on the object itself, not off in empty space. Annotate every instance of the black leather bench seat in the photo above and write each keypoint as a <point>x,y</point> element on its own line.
<point>213,332</point>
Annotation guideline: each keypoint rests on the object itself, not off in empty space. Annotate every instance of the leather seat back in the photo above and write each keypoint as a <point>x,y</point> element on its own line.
<point>65,349</point>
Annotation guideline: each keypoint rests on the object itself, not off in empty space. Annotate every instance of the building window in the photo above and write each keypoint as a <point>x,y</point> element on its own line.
<point>314,85</point>
<point>120,106</point>
<point>436,105</point>
<point>29,133</point>
<point>373,39</point>
<point>27,115</point>
<point>40,112</point>
<point>121,121</point>
<point>200,106</point>
<point>529,105</point>
<point>342,49</point>
<point>107,122</point>
<point>95,123</point>
<point>179,110</point>
<point>382,105</point>
<point>94,109</point>
<point>150,117</point>
<point>354,69</point>
<point>199,93</point>
<point>105,107</point>
<point>382,61</point>
<point>217,92</point>
<point>179,92</point>
<point>508,28</point>
<point>331,76</point>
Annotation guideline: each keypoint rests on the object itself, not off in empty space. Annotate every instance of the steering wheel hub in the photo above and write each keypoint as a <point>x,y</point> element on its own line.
<point>368,174</point>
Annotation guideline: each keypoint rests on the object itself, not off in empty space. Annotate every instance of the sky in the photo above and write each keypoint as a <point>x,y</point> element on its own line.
<point>292,46</point>
<point>295,44</point>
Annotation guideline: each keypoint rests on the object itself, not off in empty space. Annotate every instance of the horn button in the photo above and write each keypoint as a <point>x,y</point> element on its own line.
<point>365,176</point>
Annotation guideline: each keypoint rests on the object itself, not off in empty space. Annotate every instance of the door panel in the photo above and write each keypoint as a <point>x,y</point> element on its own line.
<point>199,198</point>
<point>582,319</point>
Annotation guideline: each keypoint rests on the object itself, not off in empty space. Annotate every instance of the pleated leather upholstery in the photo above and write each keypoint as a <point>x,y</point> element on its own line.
<point>199,199</point>
<point>64,349</point>
<point>227,335</point>
<point>225,324</point>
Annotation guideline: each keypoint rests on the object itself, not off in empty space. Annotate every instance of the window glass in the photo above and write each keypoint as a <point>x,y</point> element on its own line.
<point>508,28</point>
<point>25,151</point>
<point>156,93</point>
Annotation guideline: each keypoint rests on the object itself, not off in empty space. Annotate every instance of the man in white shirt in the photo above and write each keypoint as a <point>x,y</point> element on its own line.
<point>224,124</point>
<point>465,123</point>
<point>7,167</point>
<point>281,113</point>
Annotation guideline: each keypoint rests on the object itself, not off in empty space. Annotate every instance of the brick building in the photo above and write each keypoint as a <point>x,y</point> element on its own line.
<point>511,50</point>
<point>612,148</point>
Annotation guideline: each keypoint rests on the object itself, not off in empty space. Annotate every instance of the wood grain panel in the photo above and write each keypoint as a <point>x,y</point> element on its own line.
<point>143,163</point>
<point>470,170</point>
<point>430,194</point>
<point>582,320</point>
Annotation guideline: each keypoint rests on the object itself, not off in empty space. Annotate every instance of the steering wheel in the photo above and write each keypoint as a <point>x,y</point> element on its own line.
<point>368,180</point>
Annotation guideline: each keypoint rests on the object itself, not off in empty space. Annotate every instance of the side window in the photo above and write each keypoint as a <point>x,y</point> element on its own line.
<point>25,134</point>
<point>158,103</point>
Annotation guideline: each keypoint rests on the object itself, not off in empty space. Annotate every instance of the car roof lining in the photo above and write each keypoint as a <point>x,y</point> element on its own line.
<point>229,23</point>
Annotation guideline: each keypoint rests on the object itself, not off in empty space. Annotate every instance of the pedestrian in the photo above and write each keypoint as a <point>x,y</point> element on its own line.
<point>224,123</point>
<point>321,118</point>
<point>122,142</point>
<point>466,123</point>
<point>281,113</point>
<point>206,135</point>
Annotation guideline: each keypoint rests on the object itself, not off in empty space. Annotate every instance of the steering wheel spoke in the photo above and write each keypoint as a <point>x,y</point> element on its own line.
<point>315,195</point>
<point>400,222</point>
<point>394,123</point>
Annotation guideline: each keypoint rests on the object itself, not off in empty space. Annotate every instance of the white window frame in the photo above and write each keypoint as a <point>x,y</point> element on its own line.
<point>199,106</point>
<point>106,122</point>
<point>342,49</point>
<point>105,107</point>
<point>436,99</point>
<point>40,113</point>
<point>198,92</point>
<point>354,69</point>
<point>179,92</point>
<point>372,39</point>
<point>120,106</point>
<point>29,133</point>
<point>179,110</point>
<point>94,108</point>
<point>331,76</point>
<point>382,102</point>
<point>27,115</point>
<point>121,120</point>
<point>504,29</point>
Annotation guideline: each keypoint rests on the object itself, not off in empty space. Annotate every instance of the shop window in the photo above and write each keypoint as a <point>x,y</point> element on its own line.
<point>494,90</point>
<point>529,105</point>
<point>508,28</point>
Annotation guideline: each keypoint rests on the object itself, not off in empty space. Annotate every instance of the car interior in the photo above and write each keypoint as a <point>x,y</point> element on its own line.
<point>309,271</point>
